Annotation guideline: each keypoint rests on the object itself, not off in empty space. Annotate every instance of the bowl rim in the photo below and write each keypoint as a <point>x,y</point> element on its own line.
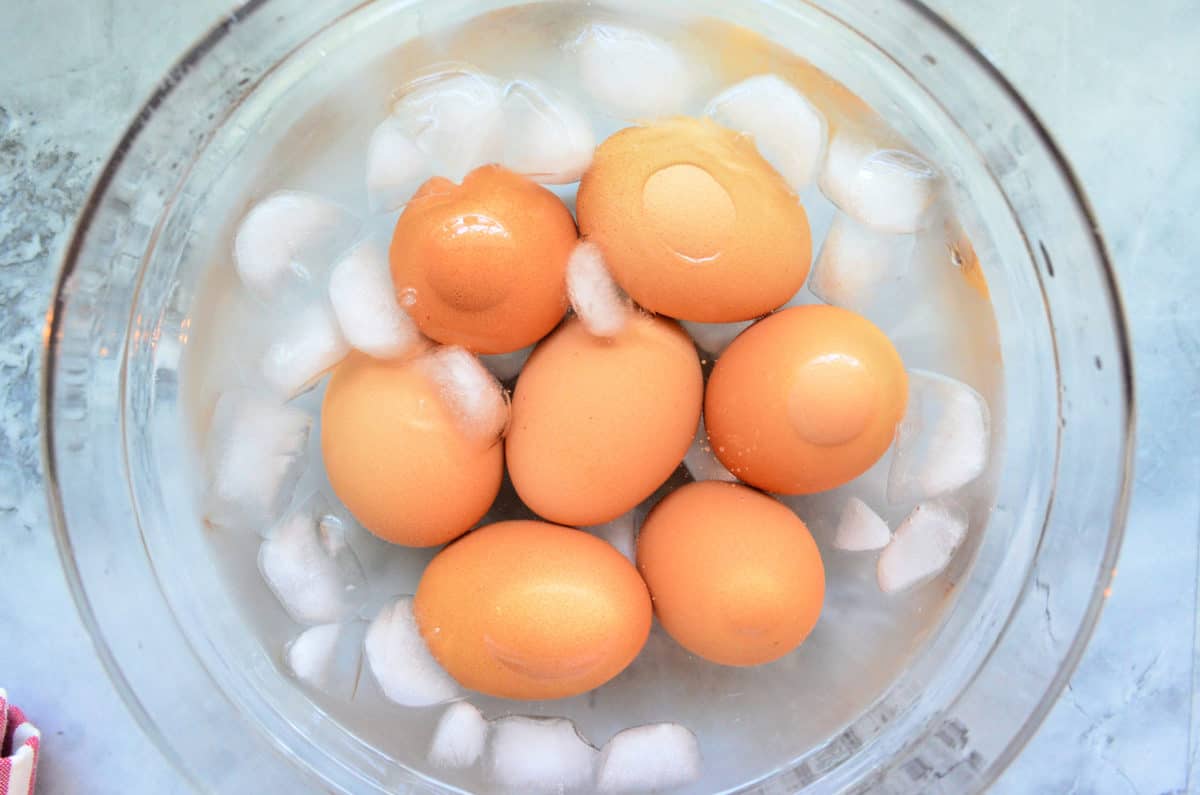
<point>218,31</point>
<point>1116,532</point>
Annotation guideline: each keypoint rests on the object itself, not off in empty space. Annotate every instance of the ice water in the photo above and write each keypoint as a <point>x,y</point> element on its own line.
<point>933,304</point>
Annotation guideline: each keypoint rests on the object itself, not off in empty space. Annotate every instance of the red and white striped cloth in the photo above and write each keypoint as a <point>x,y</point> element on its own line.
<point>18,750</point>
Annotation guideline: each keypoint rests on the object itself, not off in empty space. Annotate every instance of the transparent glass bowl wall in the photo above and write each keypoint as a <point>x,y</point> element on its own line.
<point>118,462</point>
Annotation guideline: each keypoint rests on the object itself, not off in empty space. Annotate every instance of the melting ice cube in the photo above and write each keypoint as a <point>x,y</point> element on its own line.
<point>455,117</point>
<point>396,167</point>
<point>314,586</point>
<point>601,305</point>
<point>631,74</point>
<point>788,131</point>
<point>364,301</point>
<point>401,662</point>
<point>476,398</point>
<point>255,455</point>
<point>942,442</point>
<point>539,755</point>
<point>460,736</point>
<point>656,757</point>
<point>857,264</point>
<point>328,657</point>
<point>922,546</point>
<point>289,235</point>
<point>310,654</point>
<point>887,189</point>
<point>860,529</point>
<point>547,138</point>
<point>309,344</point>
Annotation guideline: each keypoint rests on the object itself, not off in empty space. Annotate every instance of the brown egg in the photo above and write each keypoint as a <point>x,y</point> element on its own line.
<point>532,610</point>
<point>599,424</point>
<point>805,400</point>
<point>694,223</point>
<point>398,457</point>
<point>482,264</point>
<point>734,575</point>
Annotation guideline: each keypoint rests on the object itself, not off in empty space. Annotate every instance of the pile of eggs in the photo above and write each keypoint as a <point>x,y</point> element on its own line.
<point>677,221</point>
<point>686,219</point>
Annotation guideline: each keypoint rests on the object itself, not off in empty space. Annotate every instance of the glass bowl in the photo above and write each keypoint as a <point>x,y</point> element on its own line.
<point>120,461</point>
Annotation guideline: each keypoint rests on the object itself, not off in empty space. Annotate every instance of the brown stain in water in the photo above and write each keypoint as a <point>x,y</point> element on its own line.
<point>962,253</point>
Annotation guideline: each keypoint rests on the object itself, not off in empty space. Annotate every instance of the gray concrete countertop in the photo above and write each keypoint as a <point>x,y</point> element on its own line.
<point>1115,82</point>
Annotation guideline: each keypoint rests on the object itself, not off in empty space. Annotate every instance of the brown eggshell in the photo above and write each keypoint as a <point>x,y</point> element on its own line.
<point>693,222</point>
<point>531,610</point>
<point>483,264</point>
<point>735,576</point>
<point>397,457</point>
<point>805,400</point>
<point>599,424</point>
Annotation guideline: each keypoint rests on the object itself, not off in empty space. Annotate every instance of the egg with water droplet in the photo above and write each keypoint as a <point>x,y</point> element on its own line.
<point>694,223</point>
<point>483,264</point>
<point>805,400</point>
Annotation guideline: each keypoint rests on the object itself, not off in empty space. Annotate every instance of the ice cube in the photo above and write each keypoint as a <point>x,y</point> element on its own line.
<point>788,131</point>
<point>328,657</point>
<point>702,462</point>
<point>942,442</point>
<point>396,167</point>
<point>255,456</point>
<point>547,138</point>
<point>621,533</point>
<point>460,736</point>
<point>600,304</point>
<point>922,546</point>
<point>400,661</point>
<point>631,74</point>
<point>860,529</point>
<point>289,235</point>
<point>714,338</point>
<point>536,755</point>
<point>506,366</point>
<point>311,653</point>
<point>889,190</point>
<point>474,395</point>
<point>309,344</point>
<point>456,118</point>
<point>857,264</point>
<point>314,586</point>
<point>364,301</point>
<point>656,757</point>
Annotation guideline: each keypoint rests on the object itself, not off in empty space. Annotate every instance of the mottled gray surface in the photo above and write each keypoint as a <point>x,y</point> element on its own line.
<point>1114,81</point>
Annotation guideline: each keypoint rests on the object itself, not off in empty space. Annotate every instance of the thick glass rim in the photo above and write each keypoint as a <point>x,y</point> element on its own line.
<point>1126,411</point>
